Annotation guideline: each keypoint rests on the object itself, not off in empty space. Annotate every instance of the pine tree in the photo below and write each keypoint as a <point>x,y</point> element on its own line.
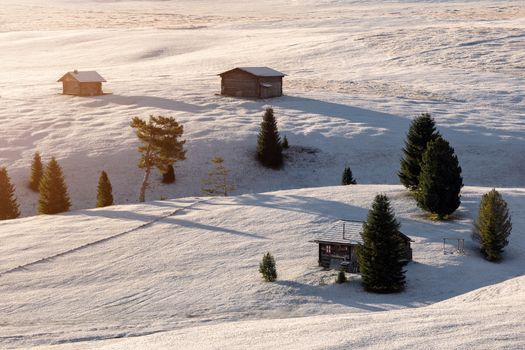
<point>8,205</point>
<point>440,181</point>
<point>267,268</point>
<point>104,191</point>
<point>348,178</point>
<point>380,256</point>
<point>341,277</point>
<point>168,177</point>
<point>160,146</point>
<point>285,143</point>
<point>54,198</point>
<point>217,182</point>
<point>422,130</point>
<point>269,148</point>
<point>493,225</point>
<point>37,171</point>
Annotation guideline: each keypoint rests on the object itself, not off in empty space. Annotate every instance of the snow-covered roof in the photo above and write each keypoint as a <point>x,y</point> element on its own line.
<point>85,76</point>
<point>352,233</point>
<point>259,71</point>
<point>346,232</point>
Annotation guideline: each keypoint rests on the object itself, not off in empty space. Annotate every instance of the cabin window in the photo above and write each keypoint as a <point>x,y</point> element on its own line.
<point>328,249</point>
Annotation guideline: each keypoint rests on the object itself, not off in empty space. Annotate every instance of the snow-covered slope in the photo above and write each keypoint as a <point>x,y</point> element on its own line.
<point>357,72</point>
<point>139,269</point>
<point>492,323</point>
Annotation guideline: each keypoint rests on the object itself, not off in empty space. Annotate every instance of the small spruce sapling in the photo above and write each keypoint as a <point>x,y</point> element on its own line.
<point>104,191</point>
<point>285,143</point>
<point>348,177</point>
<point>341,277</point>
<point>267,268</point>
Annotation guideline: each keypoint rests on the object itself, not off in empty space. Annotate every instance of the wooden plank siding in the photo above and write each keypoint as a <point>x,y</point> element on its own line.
<point>238,83</point>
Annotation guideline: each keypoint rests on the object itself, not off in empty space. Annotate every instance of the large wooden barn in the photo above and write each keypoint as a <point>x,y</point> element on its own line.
<point>338,246</point>
<point>86,83</point>
<point>255,82</point>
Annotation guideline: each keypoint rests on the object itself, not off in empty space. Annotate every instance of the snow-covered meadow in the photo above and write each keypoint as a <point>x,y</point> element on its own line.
<point>187,267</point>
<point>138,269</point>
<point>357,74</point>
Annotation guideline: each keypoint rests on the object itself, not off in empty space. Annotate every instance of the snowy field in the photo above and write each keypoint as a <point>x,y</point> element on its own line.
<point>182,273</point>
<point>175,265</point>
<point>357,74</point>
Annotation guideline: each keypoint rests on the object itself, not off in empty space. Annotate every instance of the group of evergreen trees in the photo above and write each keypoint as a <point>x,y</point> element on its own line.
<point>430,168</point>
<point>50,184</point>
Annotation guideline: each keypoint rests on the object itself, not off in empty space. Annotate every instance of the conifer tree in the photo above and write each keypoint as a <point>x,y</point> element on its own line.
<point>104,191</point>
<point>267,268</point>
<point>493,225</point>
<point>440,181</point>
<point>217,183</point>
<point>160,146</point>
<point>341,277</point>
<point>168,177</point>
<point>348,178</point>
<point>54,198</point>
<point>380,256</point>
<point>8,205</point>
<point>285,143</point>
<point>37,171</point>
<point>269,148</point>
<point>422,130</point>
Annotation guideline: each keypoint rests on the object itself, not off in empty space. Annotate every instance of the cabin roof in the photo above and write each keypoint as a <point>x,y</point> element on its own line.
<point>352,233</point>
<point>84,76</point>
<point>258,71</point>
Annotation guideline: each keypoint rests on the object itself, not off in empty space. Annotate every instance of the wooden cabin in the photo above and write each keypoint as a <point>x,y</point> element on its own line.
<point>338,246</point>
<point>86,83</point>
<point>255,82</point>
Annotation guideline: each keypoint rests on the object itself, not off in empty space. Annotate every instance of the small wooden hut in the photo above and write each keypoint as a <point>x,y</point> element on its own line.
<point>86,83</point>
<point>338,246</point>
<point>255,82</point>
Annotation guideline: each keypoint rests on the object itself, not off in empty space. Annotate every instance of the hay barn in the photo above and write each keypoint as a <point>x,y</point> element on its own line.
<point>255,82</point>
<point>87,83</point>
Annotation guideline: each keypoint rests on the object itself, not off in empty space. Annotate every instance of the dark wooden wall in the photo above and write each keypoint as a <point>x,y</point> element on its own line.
<point>242,84</point>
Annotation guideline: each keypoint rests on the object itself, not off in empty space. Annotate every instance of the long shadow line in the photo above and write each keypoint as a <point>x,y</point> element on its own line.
<point>97,242</point>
